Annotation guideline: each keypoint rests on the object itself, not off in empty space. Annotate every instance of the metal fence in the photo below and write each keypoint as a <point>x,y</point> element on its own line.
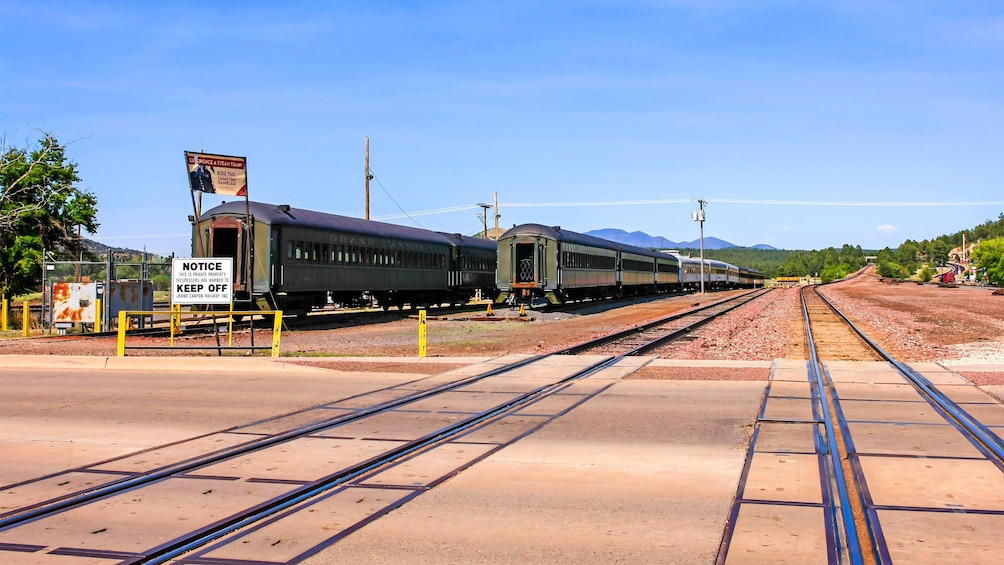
<point>104,273</point>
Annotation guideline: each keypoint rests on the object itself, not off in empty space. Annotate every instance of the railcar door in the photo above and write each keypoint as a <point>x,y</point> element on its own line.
<point>525,271</point>
<point>228,238</point>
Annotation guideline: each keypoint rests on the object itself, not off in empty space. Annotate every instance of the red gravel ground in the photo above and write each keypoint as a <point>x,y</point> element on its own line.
<point>914,322</point>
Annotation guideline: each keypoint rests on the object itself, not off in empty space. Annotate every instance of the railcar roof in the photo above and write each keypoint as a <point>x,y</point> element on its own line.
<point>468,241</point>
<point>301,218</point>
<point>559,234</point>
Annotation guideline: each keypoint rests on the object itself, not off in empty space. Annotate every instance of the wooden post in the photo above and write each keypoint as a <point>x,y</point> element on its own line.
<point>368,177</point>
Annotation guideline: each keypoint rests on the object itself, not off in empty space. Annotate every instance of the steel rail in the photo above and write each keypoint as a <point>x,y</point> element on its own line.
<point>214,532</point>
<point>80,498</point>
<point>210,533</point>
<point>600,341</point>
<point>850,531</point>
<point>676,334</point>
<point>976,429</point>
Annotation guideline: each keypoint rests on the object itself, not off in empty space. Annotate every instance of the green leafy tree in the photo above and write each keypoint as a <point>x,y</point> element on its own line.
<point>40,209</point>
<point>937,252</point>
<point>989,255</point>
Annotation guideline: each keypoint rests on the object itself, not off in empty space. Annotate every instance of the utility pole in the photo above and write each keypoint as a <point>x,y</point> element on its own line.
<point>368,177</point>
<point>699,217</point>
<point>484,216</point>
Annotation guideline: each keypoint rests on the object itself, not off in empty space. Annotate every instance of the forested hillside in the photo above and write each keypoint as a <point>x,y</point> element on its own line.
<point>830,263</point>
<point>905,259</point>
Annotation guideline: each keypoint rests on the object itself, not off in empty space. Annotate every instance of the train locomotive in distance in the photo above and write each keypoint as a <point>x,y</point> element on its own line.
<point>294,260</point>
<point>540,265</point>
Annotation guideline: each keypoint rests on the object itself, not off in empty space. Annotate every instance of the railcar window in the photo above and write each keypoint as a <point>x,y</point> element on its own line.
<point>635,265</point>
<point>576,260</point>
<point>298,251</point>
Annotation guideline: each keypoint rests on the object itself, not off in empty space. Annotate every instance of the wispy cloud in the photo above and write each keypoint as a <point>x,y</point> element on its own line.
<point>887,228</point>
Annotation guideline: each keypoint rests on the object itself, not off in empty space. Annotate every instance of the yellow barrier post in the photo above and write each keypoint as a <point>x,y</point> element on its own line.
<point>421,333</point>
<point>230,327</point>
<point>276,332</point>
<point>173,328</point>
<point>489,312</point>
<point>120,349</point>
<point>97,316</point>
<point>26,320</point>
<point>3,315</point>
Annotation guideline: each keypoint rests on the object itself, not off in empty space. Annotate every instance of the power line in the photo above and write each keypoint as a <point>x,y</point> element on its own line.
<point>834,203</point>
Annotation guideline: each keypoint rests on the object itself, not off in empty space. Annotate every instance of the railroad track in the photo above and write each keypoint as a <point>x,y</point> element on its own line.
<point>200,324</point>
<point>357,458</point>
<point>876,424</point>
<point>652,335</point>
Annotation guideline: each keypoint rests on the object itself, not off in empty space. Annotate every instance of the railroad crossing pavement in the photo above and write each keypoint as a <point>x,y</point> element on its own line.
<point>644,469</point>
<point>933,496</point>
<point>644,472</point>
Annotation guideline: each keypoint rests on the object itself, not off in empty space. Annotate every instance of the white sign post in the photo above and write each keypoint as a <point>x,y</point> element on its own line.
<point>207,280</point>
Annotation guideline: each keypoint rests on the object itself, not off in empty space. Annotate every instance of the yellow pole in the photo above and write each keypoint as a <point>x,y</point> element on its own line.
<point>26,320</point>
<point>120,349</point>
<point>173,310</point>
<point>97,316</point>
<point>421,333</point>
<point>230,327</point>
<point>276,332</point>
<point>3,314</point>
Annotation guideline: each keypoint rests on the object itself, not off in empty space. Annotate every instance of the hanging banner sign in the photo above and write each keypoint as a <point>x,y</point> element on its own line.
<point>207,280</point>
<point>217,174</point>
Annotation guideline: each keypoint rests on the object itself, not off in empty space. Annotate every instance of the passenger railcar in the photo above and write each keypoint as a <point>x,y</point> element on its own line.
<point>540,262</point>
<point>296,259</point>
<point>690,272</point>
<point>537,263</point>
<point>717,274</point>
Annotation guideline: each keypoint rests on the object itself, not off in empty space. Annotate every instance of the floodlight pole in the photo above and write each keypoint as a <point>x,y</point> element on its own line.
<point>699,217</point>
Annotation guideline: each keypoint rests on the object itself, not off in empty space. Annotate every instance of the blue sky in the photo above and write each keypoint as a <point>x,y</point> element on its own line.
<point>557,106</point>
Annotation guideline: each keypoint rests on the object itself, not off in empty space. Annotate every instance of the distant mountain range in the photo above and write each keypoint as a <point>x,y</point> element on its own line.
<point>642,239</point>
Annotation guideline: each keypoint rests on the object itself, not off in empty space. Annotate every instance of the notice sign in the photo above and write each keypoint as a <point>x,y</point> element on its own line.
<point>202,281</point>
